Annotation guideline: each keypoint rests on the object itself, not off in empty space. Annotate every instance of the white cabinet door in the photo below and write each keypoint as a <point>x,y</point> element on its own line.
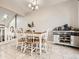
<point>75,41</point>
<point>56,39</point>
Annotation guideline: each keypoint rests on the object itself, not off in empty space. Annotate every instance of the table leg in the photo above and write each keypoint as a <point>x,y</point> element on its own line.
<point>40,38</point>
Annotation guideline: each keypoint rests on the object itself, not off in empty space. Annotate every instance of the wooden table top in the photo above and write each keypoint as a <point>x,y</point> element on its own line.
<point>35,32</point>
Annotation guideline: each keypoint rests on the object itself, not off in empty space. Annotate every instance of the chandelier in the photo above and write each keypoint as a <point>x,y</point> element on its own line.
<point>33,5</point>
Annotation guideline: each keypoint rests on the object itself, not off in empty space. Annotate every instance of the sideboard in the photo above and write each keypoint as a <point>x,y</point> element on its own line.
<point>70,38</point>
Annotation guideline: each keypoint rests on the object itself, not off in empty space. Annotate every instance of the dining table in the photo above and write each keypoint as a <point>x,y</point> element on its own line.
<point>35,34</point>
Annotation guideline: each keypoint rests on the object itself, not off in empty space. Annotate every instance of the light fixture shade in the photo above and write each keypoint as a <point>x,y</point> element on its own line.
<point>32,8</point>
<point>29,5</point>
<point>33,5</point>
<point>36,7</point>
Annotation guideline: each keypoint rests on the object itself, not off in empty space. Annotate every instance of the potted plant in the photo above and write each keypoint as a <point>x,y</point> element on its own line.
<point>31,26</point>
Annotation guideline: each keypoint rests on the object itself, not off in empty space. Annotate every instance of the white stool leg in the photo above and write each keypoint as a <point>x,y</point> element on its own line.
<point>45,47</point>
<point>31,49</point>
<point>22,48</point>
<point>25,47</point>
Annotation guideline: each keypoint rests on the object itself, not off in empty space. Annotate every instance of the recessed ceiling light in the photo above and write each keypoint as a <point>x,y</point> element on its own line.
<point>5,16</point>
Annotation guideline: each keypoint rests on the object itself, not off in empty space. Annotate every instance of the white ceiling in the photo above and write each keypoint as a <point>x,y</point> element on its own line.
<point>21,6</point>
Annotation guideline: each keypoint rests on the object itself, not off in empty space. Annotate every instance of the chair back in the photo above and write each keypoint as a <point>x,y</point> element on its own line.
<point>30,36</point>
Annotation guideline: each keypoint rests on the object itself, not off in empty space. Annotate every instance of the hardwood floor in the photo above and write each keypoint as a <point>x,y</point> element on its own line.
<point>9,51</point>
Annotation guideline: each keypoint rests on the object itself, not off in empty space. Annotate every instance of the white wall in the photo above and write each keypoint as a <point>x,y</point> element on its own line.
<point>22,22</point>
<point>74,13</point>
<point>51,17</point>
